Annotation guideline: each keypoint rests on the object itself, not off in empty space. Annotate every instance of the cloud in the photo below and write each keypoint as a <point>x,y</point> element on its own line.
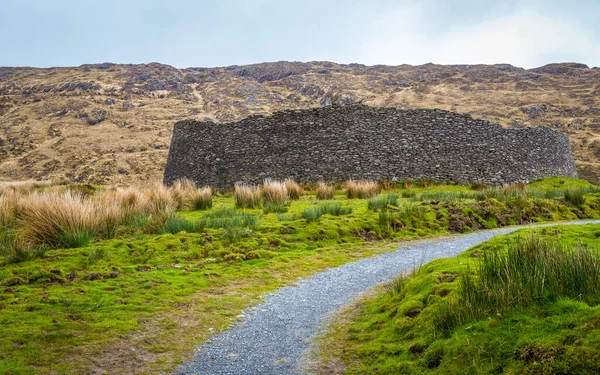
<point>524,38</point>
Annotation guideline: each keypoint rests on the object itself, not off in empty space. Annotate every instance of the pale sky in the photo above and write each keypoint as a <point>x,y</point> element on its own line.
<point>187,33</point>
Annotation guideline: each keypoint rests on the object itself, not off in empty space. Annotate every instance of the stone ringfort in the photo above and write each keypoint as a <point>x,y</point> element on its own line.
<point>338,143</point>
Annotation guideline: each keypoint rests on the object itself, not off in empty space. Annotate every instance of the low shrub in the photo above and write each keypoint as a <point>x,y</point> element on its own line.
<point>361,189</point>
<point>324,191</point>
<point>247,196</point>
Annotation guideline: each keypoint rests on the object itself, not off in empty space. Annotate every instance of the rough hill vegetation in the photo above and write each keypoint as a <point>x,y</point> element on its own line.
<point>112,124</point>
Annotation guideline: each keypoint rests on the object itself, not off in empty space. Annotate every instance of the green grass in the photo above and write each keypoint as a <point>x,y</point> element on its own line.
<point>526,303</point>
<point>160,287</point>
<point>275,208</point>
<point>176,224</point>
<point>334,209</point>
<point>383,201</point>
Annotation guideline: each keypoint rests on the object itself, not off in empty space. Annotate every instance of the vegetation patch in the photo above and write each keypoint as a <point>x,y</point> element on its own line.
<point>151,270</point>
<point>525,303</point>
<point>361,189</point>
<point>324,191</point>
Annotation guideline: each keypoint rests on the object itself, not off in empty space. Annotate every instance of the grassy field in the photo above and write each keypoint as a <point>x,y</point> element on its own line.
<point>124,280</point>
<point>525,303</point>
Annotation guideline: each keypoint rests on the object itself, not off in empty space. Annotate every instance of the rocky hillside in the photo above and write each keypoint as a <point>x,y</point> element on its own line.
<point>112,124</point>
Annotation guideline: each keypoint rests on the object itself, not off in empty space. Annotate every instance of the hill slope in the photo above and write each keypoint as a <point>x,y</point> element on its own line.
<point>112,124</point>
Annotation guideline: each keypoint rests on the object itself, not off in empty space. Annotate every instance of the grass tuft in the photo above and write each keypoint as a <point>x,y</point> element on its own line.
<point>334,209</point>
<point>246,196</point>
<point>324,191</point>
<point>361,189</point>
<point>201,199</point>
<point>181,190</point>
<point>9,203</point>
<point>275,192</point>
<point>294,190</point>
<point>530,271</point>
<point>234,223</point>
<point>65,220</point>
<point>15,248</point>
<point>575,197</point>
<point>269,208</point>
<point>177,224</point>
<point>383,202</point>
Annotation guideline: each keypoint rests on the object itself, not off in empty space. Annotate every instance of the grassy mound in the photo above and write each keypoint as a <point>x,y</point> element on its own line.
<point>526,303</point>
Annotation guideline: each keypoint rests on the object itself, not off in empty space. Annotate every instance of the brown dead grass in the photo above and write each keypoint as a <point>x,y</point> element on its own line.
<point>201,199</point>
<point>44,216</point>
<point>294,190</point>
<point>324,191</point>
<point>274,192</point>
<point>247,196</point>
<point>361,189</point>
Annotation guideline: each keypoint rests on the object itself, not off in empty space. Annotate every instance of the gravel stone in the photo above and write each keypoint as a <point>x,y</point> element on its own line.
<point>275,334</point>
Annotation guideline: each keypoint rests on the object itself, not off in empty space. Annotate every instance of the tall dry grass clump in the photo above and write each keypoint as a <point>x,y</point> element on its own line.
<point>160,206</point>
<point>294,190</point>
<point>132,201</point>
<point>186,194</point>
<point>59,220</point>
<point>67,218</point>
<point>201,199</point>
<point>9,207</point>
<point>324,191</point>
<point>182,191</point>
<point>246,196</point>
<point>361,189</point>
<point>275,192</point>
<point>22,187</point>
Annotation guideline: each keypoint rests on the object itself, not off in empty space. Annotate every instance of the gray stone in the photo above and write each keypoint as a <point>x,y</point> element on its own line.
<point>356,141</point>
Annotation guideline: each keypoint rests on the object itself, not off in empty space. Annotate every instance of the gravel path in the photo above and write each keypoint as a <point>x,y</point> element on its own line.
<point>275,334</point>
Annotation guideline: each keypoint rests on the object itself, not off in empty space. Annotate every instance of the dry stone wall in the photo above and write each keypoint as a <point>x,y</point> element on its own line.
<point>338,143</point>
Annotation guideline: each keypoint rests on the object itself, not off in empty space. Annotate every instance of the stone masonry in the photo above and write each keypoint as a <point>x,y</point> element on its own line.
<point>338,143</point>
